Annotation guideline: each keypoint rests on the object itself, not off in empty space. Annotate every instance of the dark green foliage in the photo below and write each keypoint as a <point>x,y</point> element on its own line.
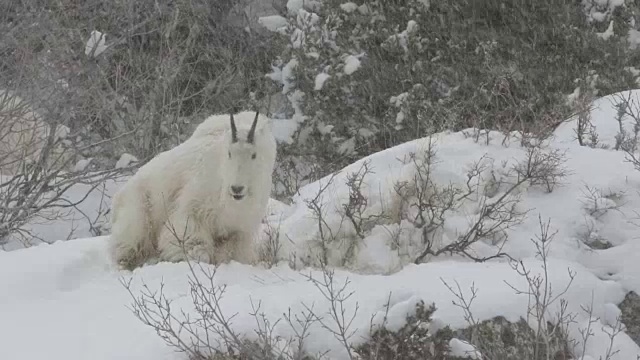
<point>498,64</point>
<point>412,342</point>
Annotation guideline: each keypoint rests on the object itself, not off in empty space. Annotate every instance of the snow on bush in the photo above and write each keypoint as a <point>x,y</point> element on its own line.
<point>96,44</point>
<point>273,22</point>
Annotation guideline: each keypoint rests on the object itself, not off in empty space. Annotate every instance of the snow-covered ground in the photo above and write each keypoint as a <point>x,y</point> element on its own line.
<point>65,301</point>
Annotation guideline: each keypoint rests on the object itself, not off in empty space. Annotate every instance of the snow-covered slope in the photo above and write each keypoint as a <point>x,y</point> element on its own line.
<point>65,301</point>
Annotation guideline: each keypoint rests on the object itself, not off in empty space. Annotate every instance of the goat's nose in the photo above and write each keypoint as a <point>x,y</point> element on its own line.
<point>237,189</point>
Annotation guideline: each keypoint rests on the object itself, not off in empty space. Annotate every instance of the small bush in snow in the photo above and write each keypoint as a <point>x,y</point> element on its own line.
<point>417,340</point>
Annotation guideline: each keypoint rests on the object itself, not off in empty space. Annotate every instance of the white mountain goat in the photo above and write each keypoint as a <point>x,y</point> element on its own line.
<point>203,199</point>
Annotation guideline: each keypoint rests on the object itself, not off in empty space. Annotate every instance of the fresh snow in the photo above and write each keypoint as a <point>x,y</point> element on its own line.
<point>82,164</point>
<point>68,297</point>
<point>463,349</point>
<point>319,82</point>
<point>273,22</point>
<point>294,6</point>
<point>96,44</point>
<point>349,7</point>
<point>125,160</point>
<point>402,39</point>
<point>607,33</point>
<point>351,64</point>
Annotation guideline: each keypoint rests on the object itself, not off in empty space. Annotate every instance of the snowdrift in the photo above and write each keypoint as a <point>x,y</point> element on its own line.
<point>65,301</point>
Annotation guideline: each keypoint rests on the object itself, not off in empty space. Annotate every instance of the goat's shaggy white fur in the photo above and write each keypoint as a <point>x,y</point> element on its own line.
<point>186,194</point>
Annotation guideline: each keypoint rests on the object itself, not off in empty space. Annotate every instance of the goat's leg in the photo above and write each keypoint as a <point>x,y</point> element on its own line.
<point>130,240</point>
<point>243,248</point>
<point>183,239</point>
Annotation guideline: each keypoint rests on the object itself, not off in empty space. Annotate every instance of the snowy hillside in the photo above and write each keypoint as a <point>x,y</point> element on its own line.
<point>66,301</point>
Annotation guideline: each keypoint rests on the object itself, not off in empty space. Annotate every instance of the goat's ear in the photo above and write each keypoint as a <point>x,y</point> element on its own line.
<point>252,131</point>
<point>234,130</point>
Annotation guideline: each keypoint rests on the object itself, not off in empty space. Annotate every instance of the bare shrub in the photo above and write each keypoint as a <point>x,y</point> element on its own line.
<point>208,333</point>
<point>611,330</point>
<point>542,297</point>
<point>426,205</point>
<point>340,321</point>
<point>37,172</point>
<point>341,237</point>
<point>431,202</point>
<point>628,109</point>
<point>598,204</point>
<point>628,140</point>
<point>270,250</point>
<point>548,338</point>
<point>586,133</point>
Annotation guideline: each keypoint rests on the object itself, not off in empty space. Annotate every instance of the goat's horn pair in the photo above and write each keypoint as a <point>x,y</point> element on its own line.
<point>252,131</point>
<point>234,131</point>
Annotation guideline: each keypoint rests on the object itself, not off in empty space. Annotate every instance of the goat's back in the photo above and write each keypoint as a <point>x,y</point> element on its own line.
<point>162,180</point>
<point>217,125</point>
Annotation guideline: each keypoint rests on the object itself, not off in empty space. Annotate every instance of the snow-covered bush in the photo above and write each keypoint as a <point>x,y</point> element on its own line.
<point>363,76</point>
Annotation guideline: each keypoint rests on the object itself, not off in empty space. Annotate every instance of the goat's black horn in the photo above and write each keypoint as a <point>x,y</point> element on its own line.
<point>252,131</point>
<point>234,131</point>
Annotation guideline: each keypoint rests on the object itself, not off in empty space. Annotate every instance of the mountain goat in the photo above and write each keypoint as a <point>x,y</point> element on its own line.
<point>203,199</point>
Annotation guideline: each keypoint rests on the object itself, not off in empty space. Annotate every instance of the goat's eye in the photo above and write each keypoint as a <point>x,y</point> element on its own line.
<point>229,154</point>
<point>253,156</point>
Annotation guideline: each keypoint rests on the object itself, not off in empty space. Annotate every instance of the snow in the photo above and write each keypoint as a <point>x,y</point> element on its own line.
<point>273,22</point>
<point>463,349</point>
<point>607,33</point>
<point>288,75</point>
<point>351,64</point>
<point>125,160</point>
<point>294,6</point>
<point>600,10</point>
<point>82,164</point>
<point>71,290</point>
<point>56,289</point>
<point>96,44</point>
<point>603,119</point>
<point>633,38</point>
<point>402,39</point>
<point>349,7</point>
<point>320,79</point>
